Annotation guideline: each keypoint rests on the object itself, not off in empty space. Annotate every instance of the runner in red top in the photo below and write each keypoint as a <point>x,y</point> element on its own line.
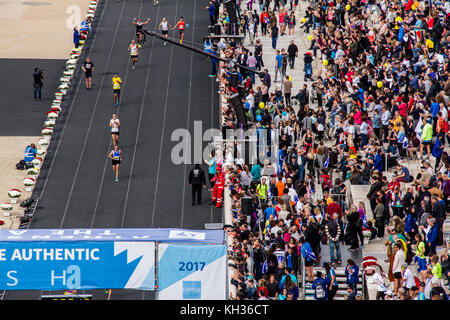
<point>181,24</point>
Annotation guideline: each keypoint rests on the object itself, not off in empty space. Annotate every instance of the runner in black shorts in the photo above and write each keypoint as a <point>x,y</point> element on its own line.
<point>181,25</point>
<point>88,68</point>
<point>116,157</point>
<point>140,35</point>
<point>164,27</point>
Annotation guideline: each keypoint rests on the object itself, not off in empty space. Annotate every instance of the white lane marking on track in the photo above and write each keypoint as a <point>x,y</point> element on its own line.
<point>92,116</point>
<point>139,124</point>
<point>188,117</point>
<point>163,127</point>
<point>110,140</point>
<point>212,125</point>
<point>71,108</point>
<point>70,112</point>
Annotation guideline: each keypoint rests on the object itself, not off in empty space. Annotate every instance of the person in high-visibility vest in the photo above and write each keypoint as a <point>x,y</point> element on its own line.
<point>116,82</point>
<point>219,184</point>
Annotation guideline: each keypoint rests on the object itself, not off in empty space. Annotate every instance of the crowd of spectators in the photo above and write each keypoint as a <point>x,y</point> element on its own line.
<point>377,103</point>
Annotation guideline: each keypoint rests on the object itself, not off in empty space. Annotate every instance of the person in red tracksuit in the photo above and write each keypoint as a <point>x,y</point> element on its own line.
<point>219,184</point>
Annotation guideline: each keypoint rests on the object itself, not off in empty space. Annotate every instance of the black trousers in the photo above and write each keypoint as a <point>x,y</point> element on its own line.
<point>379,224</point>
<point>332,292</point>
<point>196,193</point>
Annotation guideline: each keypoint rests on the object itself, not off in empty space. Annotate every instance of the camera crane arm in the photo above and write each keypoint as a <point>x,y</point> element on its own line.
<point>161,37</point>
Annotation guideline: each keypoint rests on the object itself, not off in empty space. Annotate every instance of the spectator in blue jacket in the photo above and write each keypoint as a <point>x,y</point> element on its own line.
<point>30,153</point>
<point>211,10</point>
<point>76,37</point>
<point>410,225</point>
<point>378,161</point>
<point>434,109</point>
<point>352,274</point>
<point>437,149</point>
<point>308,255</point>
<point>432,235</point>
<point>320,287</point>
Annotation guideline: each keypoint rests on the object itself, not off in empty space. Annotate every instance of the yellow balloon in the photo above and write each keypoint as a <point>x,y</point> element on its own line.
<point>347,7</point>
<point>310,37</point>
<point>414,7</point>
<point>325,62</point>
<point>261,105</point>
<point>303,20</point>
<point>379,84</point>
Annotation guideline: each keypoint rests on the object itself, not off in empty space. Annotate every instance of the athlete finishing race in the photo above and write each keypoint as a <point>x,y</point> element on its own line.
<point>134,51</point>
<point>116,157</point>
<point>116,82</point>
<point>181,24</point>
<point>140,35</point>
<point>164,27</point>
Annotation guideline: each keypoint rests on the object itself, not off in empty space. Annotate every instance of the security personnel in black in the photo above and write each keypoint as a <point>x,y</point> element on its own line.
<point>196,180</point>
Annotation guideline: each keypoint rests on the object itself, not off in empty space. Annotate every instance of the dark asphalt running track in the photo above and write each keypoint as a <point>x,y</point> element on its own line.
<point>169,89</point>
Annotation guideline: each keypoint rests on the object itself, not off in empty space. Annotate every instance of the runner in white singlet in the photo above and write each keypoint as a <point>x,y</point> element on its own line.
<point>164,27</point>
<point>134,52</point>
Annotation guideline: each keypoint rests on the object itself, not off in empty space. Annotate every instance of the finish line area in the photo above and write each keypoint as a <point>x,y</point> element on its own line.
<point>175,263</point>
<point>169,89</point>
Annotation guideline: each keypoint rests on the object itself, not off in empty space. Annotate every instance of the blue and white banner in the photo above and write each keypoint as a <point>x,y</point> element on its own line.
<point>162,234</point>
<point>81,265</point>
<point>191,272</point>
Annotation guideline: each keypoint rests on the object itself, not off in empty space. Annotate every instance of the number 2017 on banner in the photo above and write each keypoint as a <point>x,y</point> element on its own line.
<point>190,266</point>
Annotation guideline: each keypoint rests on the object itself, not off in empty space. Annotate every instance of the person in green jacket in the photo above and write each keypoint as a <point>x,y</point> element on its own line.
<point>427,136</point>
<point>261,190</point>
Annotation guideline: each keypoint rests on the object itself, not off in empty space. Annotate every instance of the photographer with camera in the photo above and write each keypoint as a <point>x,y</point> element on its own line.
<point>38,76</point>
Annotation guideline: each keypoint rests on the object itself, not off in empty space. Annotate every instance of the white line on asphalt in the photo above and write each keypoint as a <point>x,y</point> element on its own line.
<point>110,140</point>
<point>92,116</point>
<point>70,111</point>
<point>188,118</point>
<point>139,124</point>
<point>163,126</point>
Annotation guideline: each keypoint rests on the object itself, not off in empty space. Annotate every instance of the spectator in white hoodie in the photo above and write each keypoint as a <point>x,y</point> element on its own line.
<point>399,259</point>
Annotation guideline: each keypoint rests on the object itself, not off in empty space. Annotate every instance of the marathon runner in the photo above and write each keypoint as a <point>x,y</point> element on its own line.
<point>181,24</point>
<point>116,157</point>
<point>114,124</point>
<point>116,81</point>
<point>164,26</point>
<point>88,68</point>
<point>140,35</point>
<point>134,51</point>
